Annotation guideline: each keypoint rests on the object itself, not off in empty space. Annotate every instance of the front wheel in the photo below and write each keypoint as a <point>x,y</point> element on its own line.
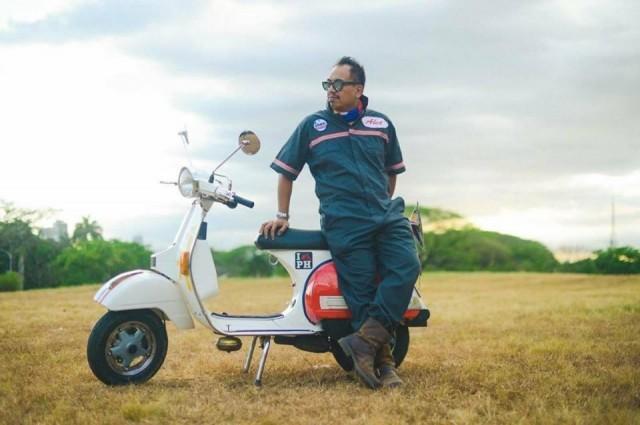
<point>399,348</point>
<point>127,347</point>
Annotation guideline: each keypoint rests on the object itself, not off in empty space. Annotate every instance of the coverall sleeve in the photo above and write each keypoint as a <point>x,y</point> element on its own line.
<point>293,155</point>
<point>393,163</point>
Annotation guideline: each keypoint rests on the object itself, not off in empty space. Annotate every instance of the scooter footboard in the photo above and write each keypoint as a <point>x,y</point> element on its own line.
<point>140,289</point>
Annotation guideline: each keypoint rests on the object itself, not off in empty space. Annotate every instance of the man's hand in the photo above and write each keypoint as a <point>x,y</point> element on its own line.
<point>270,228</point>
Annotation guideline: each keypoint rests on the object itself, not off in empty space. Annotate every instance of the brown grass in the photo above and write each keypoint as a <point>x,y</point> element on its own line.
<point>500,348</point>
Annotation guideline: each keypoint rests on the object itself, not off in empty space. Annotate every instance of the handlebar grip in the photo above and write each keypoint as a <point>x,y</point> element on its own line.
<point>243,201</point>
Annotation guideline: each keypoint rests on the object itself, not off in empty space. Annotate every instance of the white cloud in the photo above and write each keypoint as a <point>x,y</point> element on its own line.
<point>29,11</point>
<point>519,115</point>
<point>88,130</point>
<point>626,186</point>
<point>550,226</point>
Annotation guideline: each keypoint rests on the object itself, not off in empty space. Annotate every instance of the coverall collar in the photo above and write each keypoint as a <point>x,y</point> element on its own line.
<point>364,101</point>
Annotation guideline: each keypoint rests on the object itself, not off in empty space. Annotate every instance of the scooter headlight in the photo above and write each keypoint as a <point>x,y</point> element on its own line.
<point>186,184</point>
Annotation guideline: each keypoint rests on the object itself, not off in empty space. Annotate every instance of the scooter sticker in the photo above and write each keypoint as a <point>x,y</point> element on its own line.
<point>304,260</point>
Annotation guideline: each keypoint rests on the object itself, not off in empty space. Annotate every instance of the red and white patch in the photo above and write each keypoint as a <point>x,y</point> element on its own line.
<point>320,125</point>
<point>375,122</point>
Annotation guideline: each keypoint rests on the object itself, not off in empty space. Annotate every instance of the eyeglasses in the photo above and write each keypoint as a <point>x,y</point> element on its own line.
<point>337,84</point>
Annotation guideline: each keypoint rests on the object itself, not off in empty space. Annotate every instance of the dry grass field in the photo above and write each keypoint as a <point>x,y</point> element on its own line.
<point>500,348</point>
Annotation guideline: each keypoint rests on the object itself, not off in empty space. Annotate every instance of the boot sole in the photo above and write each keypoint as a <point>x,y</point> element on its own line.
<point>394,384</point>
<point>365,378</point>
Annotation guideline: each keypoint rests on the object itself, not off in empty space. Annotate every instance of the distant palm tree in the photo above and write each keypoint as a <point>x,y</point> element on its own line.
<point>87,230</point>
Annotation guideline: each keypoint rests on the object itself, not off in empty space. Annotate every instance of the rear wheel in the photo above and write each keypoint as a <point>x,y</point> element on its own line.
<point>127,346</point>
<point>399,349</point>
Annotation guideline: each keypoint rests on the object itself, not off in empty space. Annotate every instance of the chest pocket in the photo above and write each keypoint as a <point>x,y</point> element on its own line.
<point>373,149</point>
<point>329,151</point>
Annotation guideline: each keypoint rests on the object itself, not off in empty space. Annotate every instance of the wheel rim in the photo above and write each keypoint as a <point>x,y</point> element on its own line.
<point>130,348</point>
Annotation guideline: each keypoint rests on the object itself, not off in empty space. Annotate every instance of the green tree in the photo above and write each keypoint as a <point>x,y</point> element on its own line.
<point>28,251</point>
<point>243,261</point>
<point>622,260</point>
<point>473,249</point>
<point>87,230</point>
<point>98,260</point>
<point>582,266</point>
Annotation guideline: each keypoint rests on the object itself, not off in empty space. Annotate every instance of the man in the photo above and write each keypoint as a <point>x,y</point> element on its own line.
<point>354,157</point>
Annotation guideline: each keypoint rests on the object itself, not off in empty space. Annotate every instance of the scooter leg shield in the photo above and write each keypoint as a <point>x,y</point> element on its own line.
<point>145,289</point>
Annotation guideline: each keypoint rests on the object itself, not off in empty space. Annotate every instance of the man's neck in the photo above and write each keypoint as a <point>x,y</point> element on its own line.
<point>347,110</point>
<point>351,114</point>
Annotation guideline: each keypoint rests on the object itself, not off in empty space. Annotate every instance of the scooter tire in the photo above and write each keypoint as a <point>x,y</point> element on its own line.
<point>399,349</point>
<point>120,330</point>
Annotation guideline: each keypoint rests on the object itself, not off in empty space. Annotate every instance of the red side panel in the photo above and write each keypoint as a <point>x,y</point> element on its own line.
<point>323,282</point>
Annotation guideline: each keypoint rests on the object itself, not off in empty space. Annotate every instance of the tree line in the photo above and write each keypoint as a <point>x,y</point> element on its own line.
<point>29,261</point>
<point>466,249</point>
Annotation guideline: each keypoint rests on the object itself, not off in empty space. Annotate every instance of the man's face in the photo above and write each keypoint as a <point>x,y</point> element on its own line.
<point>347,98</point>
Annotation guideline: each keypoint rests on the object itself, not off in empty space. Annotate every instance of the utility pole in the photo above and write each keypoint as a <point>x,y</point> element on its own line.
<point>612,240</point>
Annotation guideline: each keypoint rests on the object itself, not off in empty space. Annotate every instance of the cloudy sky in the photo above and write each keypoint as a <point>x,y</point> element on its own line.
<point>522,116</point>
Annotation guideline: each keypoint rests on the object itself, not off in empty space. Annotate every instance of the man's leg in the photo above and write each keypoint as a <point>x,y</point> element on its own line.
<point>352,250</point>
<point>399,268</point>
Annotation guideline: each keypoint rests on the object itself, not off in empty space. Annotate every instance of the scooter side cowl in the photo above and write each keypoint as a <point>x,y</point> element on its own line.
<point>145,289</point>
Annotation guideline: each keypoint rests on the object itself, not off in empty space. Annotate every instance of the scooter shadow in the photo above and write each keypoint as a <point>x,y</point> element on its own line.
<point>294,379</point>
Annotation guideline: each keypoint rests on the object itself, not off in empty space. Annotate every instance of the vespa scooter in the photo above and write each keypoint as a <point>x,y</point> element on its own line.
<point>129,343</point>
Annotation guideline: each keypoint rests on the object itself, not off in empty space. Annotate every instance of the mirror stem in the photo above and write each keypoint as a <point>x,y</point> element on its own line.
<point>212,177</point>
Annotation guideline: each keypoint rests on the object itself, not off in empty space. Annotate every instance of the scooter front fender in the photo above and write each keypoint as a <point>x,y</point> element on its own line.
<point>140,289</point>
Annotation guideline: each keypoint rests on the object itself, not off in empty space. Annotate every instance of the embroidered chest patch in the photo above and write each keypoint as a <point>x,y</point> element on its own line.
<point>375,122</point>
<point>320,124</point>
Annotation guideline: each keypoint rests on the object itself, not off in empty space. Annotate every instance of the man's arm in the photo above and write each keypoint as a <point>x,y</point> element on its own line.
<point>392,184</point>
<point>285,187</point>
<point>279,225</point>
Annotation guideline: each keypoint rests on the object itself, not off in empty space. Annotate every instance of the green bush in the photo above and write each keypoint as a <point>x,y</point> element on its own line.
<point>621,260</point>
<point>582,266</point>
<point>10,281</point>
<point>473,249</point>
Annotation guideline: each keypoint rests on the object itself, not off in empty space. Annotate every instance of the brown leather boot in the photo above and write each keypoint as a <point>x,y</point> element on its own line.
<point>386,366</point>
<point>362,347</point>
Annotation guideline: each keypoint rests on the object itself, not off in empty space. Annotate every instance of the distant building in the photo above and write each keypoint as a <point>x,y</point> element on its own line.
<point>58,232</point>
<point>138,239</point>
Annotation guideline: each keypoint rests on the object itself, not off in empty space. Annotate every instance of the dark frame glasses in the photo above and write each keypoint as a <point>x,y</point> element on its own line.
<point>338,84</point>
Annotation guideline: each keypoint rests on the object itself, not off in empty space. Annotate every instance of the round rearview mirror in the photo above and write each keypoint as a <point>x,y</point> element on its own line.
<point>249,142</point>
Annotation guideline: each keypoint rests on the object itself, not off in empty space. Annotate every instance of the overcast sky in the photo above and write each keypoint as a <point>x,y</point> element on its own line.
<point>522,116</point>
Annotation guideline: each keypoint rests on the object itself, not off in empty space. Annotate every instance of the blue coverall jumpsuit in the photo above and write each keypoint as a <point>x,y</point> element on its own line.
<point>367,233</point>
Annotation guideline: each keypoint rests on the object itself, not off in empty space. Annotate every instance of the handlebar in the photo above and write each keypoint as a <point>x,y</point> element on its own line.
<point>240,200</point>
<point>243,201</point>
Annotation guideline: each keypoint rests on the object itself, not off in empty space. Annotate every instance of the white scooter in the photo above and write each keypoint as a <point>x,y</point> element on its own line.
<point>129,343</point>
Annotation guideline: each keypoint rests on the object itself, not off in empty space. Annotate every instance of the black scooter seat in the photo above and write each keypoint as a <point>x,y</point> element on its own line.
<point>294,239</point>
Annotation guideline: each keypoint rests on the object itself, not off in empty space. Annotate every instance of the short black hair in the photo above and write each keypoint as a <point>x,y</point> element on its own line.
<point>357,70</point>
